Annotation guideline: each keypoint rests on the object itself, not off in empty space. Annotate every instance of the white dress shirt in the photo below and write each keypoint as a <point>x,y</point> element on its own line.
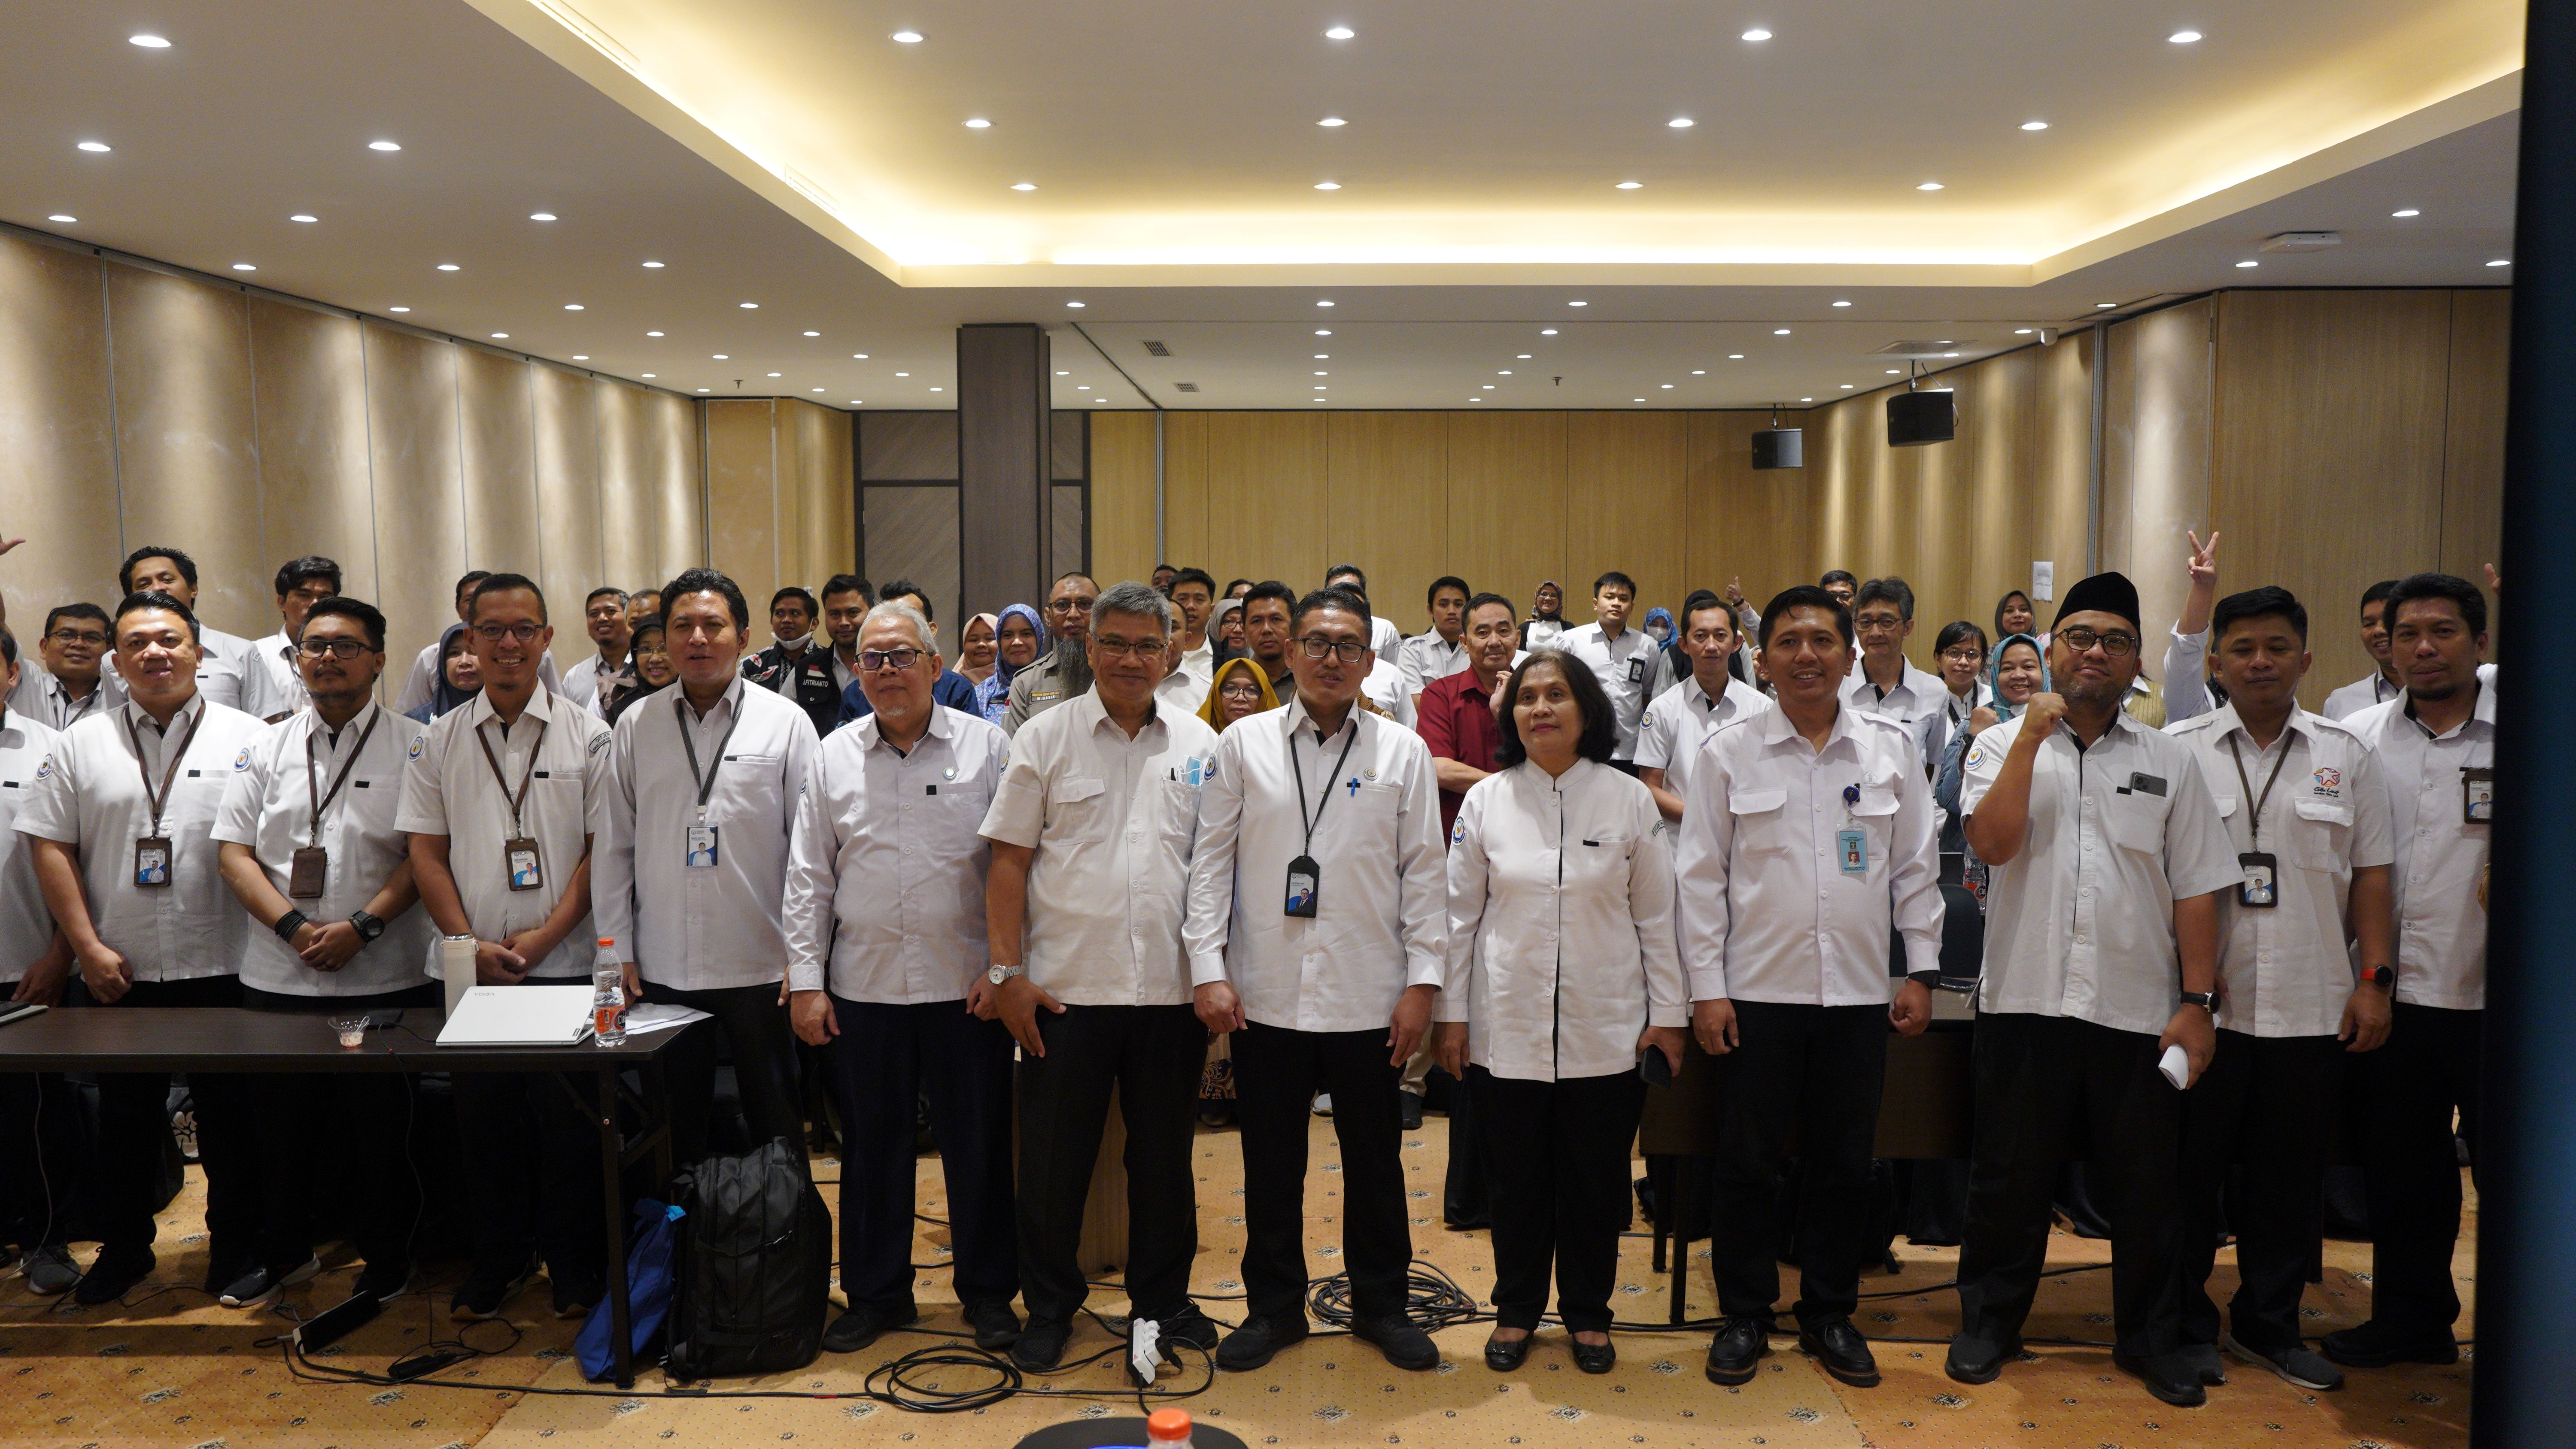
<point>2440,855</point>
<point>90,795</point>
<point>40,696</point>
<point>449,789</point>
<point>1182,691</point>
<point>2080,922</point>
<point>2361,694</point>
<point>1767,909</point>
<point>2288,966</point>
<point>1918,702</point>
<point>1543,633</point>
<point>1625,666</point>
<point>26,927</point>
<point>421,684</point>
<point>1386,639</point>
<point>581,682</point>
<point>1381,902</point>
<point>885,875</point>
<point>700,928</point>
<point>269,807</point>
<point>1384,688</point>
<point>1113,822</point>
<point>271,684</point>
<point>1560,923</point>
<point>1682,718</point>
<point>1426,657</point>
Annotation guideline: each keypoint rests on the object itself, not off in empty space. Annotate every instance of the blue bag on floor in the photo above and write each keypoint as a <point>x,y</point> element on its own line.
<point>648,1291</point>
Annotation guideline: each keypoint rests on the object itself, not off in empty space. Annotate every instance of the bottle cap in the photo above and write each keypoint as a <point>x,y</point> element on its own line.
<point>608,940</point>
<point>1168,1426</point>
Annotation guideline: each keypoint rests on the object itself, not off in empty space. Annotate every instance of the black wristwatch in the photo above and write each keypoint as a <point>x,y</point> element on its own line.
<point>2205,1000</point>
<point>290,923</point>
<point>2383,977</point>
<point>367,926</point>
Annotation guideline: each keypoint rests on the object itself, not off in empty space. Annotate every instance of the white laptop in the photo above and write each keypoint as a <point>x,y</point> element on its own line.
<point>519,1016</point>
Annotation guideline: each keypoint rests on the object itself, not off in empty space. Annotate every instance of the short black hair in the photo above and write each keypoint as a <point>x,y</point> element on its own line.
<point>1707,599</point>
<point>649,591</point>
<point>2378,592</point>
<point>1272,589</point>
<point>1806,596</point>
<point>604,591</point>
<point>296,572</point>
<point>1613,576</point>
<point>1346,571</point>
<point>2269,600</point>
<point>503,583</point>
<point>1600,727</point>
<point>471,580</point>
<point>1481,600</point>
<point>125,571</point>
<point>8,646</point>
<point>135,603</point>
<point>369,617</point>
<point>1838,576</point>
<point>2472,604</point>
<point>906,588</point>
<point>1446,581</point>
<point>1889,590</point>
<point>1957,631</point>
<point>850,584</point>
<point>1332,597</point>
<point>708,581</point>
<point>78,611</point>
<point>812,609</point>
<point>1232,584</point>
<point>1198,576</point>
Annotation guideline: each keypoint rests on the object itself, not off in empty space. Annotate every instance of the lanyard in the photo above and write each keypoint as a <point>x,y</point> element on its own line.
<point>707,780</point>
<point>525,779</point>
<point>1300,767</point>
<point>161,800</point>
<point>313,788</point>
<point>2254,822</point>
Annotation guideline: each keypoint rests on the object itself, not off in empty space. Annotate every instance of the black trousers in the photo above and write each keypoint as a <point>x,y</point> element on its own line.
<point>1277,1072</point>
<point>2042,1082</point>
<point>2267,1104</point>
<point>355,1123</point>
<point>44,1155</point>
<point>2405,1093</point>
<point>1152,1055</point>
<point>134,1123</point>
<point>1463,1197</point>
<point>887,1058</point>
<point>755,1027</point>
<point>1821,1067</point>
<point>532,1185</point>
<point>1556,1162</point>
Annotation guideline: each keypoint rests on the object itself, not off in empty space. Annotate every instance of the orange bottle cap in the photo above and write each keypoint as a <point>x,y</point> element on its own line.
<point>1168,1426</point>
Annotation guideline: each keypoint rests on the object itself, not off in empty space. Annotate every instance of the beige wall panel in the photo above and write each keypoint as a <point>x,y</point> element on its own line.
<point>2170,458</point>
<point>2063,443</point>
<point>1835,456</point>
<point>497,457</point>
<point>1385,473</point>
<point>58,482</point>
<point>907,446</point>
<point>831,542</point>
<point>1743,526</point>
<point>308,377</point>
<point>2330,411</point>
<point>2473,441</point>
<point>420,507</point>
<point>742,452</point>
<point>651,525</point>
<point>1122,494</point>
<point>671,431</point>
<point>792,505</point>
<point>1625,474</point>
<point>1507,502</point>
<point>565,424</point>
<point>186,446</point>
<point>1985,528</point>
<point>1265,476</point>
<point>2119,449</point>
<point>1190,501</point>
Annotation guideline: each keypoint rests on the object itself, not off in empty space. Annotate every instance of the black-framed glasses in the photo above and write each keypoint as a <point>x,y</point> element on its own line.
<point>2118,646</point>
<point>876,659</point>
<point>343,650</point>
<point>1346,650</point>
<point>1121,649</point>
<point>1963,656</point>
<point>90,637</point>
<point>495,633</point>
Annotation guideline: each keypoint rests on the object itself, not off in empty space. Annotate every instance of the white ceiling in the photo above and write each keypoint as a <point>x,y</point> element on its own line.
<point>262,110</point>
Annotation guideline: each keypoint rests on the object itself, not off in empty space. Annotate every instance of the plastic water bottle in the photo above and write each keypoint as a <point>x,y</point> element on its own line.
<point>1168,1429</point>
<point>608,995</point>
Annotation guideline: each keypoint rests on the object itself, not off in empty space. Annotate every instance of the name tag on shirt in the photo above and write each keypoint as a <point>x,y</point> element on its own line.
<point>702,847</point>
<point>1636,671</point>
<point>2477,796</point>
<point>152,861</point>
<point>2144,785</point>
<point>1851,847</point>
<point>520,855</point>
<point>2261,888</point>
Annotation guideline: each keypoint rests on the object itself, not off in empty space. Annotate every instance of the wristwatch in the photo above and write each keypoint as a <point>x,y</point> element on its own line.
<point>1001,973</point>
<point>2383,977</point>
<point>290,923</point>
<point>368,927</point>
<point>2205,1000</point>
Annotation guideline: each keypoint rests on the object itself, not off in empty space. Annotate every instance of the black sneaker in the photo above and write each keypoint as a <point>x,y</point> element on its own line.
<point>2377,1345</point>
<point>260,1286</point>
<point>1979,1361</point>
<point>1400,1338</point>
<point>50,1271</point>
<point>1041,1345</point>
<point>384,1282</point>
<point>1735,1354</point>
<point>1840,1349</point>
<point>1258,1341</point>
<point>1187,1324</point>
<point>1409,1108</point>
<point>486,1290</point>
<point>2171,1377</point>
<point>2297,1365</point>
<point>995,1325</point>
<point>860,1327</point>
<point>2205,1362</point>
<point>113,1273</point>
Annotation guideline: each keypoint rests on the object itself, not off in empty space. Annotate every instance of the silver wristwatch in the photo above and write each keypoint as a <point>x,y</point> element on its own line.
<point>1001,973</point>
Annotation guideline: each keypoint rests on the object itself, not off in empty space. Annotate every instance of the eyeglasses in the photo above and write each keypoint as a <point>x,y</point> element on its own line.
<point>1070,606</point>
<point>1878,624</point>
<point>1346,650</point>
<point>340,649</point>
<point>2118,646</point>
<point>495,633</point>
<point>876,659</point>
<point>90,637</point>
<point>1963,656</point>
<point>1121,649</point>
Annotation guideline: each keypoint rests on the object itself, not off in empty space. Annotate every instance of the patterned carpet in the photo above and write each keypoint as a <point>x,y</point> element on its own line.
<point>171,1370</point>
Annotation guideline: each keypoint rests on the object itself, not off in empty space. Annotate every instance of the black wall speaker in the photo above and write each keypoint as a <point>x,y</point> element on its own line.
<point>1780,448</point>
<point>1916,418</point>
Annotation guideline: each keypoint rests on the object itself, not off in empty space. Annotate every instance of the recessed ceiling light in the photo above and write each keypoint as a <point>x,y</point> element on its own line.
<point>1578,304</point>
<point>657,266</point>
<point>1063,372</point>
<point>652,334</point>
<point>1323,331</point>
<point>1523,356</point>
<point>1328,186</point>
<point>2034,125</point>
<point>1757,34</point>
<point>1547,332</point>
<point>861,356</point>
<point>541,216</point>
<point>2183,37</point>
<point>748,306</point>
<point>648,374</point>
<point>818,389</point>
<point>857,402</point>
<point>1073,304</point>
<point>1319,372</point>
<point>93,145</point>
<point>2106,304</point>
<point>1630,185</point>
<point>1502,372</point>
<point>2500,262</point>
<point>581,357</point>
<point>2407,211</point>
<point>1845,386</point>
<point>703,389</point>
<point>1894,371</point>
<point>148,42</point>
<point>1332,121</point>
<point>1320,356</point>
<point>1636,399</point>
<point>397,309</point>
<point>1024,186</point>
<point>1321,303</point>
<point>1699,372</point>
<point>1949,354</point>
<point>1806,399</point>
<point>2021,332</point>
<point>1082,387</point>
<point>1340,32</point>
<point>1928,186</point>
<point>1319,387</point>
<point>300,216</point>
<point>1779,331</point>
<point>62,217</point>
<point>907,37</point>
<point>1842,304</point>
<point>1667,386</point>
<point>1489,387</point>
<point>1681,123</point>
<point>939,389</point>
<point>2244,264</point>
<point>244,267</point>
<point>903,374</point>
<point>448,267</point>
<point>978,123</point>
<point>572,306</point>
<point>501,336</point>
<point>773,374</point>
<point>1735,357</point>
<point>722,356</point>
<point>1944,342</point>
<point>384,145</point>
<point>1472,399</point>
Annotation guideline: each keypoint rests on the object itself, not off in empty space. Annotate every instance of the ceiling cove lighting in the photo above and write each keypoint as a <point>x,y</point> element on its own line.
<point>148,42</point>
<point>384,145</point>
<point>94,146</point>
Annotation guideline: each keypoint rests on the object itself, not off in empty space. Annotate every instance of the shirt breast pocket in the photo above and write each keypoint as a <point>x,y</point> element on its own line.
<point>1760,826</point>
<point>2321,835</point>
<point>1876,812</point>
<point>1078,809</point>
<point>2138,821</point>
<point>1180,805</point>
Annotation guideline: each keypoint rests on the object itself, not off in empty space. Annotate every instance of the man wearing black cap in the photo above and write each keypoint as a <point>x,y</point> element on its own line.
<point>2106,852</point>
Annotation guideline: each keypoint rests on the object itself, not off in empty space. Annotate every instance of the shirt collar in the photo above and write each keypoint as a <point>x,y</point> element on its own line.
<point>871,735</point>
<point>136,718</point>
<point>1089,703</point>
<point>2484,713</point>
<point>2226,721</point>
<point>731,699</point>
<point>356,726</point>
<point>1294,718</point>
<point>540,707</point>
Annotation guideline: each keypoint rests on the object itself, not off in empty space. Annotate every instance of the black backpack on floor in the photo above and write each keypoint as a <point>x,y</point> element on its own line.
<point>753,1267</point>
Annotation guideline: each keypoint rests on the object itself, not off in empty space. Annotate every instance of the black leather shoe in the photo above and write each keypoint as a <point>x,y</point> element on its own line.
<point>1978,1361</point>
<point>860,1327</point>
<point>1189,1325</point>
<point>995,1325</point>
<point>1839,1347</point>
<point>2169,1376</point>
<point>1503,1357</point>
<point>1041,1344</point>
<point>1409,1110</point>
<point>1401,1339</point>
<point>1595,1358</point>
<point>2205,1363</point>
<point>113,1273</point>
<point>1257,1341</point>
<point>1735,1354</point>
<point>2377,1345</point>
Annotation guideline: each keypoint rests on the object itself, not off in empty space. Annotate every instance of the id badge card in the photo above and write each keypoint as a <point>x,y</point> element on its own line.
<point>152,861</point>
<point>1303,878</point>
<point>306,872</point>
<point>520,856</point>
<point>1851,848</point>
<point>2477,796</point>
<point>2261,887</point>
<point>702,847</point>
<point>1636,671</point>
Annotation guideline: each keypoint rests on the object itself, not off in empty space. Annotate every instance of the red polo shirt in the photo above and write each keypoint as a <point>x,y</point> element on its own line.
<point>1457,721</point>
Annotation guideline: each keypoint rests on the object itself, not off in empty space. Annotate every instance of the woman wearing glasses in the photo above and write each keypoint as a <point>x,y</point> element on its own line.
<point>650,654</point>
<point>1562,972</point>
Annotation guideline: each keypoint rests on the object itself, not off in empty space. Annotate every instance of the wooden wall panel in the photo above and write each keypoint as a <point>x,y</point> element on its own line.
<point>565,448</point>
<point>1122,494</point>
<point>907,447</point>
<point>1265,491</point>
<point>497,461</point>
<point>1384,471</point>
<point>309,394</point>
<point>2060,492</point>
<point>676,470</point>
<point>2473,440</point>
<point>58,482</point>
<point>1507,504</point>
<point>420,508</point>
<point>2119,446</point>
<point>913,536</point>
<point>789,507</point>
<point>742,457</point>
<point>1191,501</point>
<point>1993,531</point>
<point>2169,481</point>
<point>1741,526</point>
<point>1625,474</point>
<point>626,502</point>
<point>829,544</point>
<point>186,443</point>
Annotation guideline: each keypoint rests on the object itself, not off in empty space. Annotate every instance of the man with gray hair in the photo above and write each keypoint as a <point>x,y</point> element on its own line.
<point>1092,832</point>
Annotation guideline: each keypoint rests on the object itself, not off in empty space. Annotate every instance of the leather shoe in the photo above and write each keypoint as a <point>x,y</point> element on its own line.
<point>1503,1357</point>
<point>1257,1341</point>
<point>1841,1350</point>
<point>2205,1362</point>
<point>1736,1353</point>
<point>2169,1376</point>
<point>113,1273</point>
<point>861,1326</point>
<point>1401,1339</point>
<point>995,1325</point>
<point>1595,1358</point>
<point>1409,1111</point>
<point>2296,1365</point>
<point>1041,1344</point>
<point>2377,1345</point>
<point>1191,1326</point>
<point>1978,1361</point>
